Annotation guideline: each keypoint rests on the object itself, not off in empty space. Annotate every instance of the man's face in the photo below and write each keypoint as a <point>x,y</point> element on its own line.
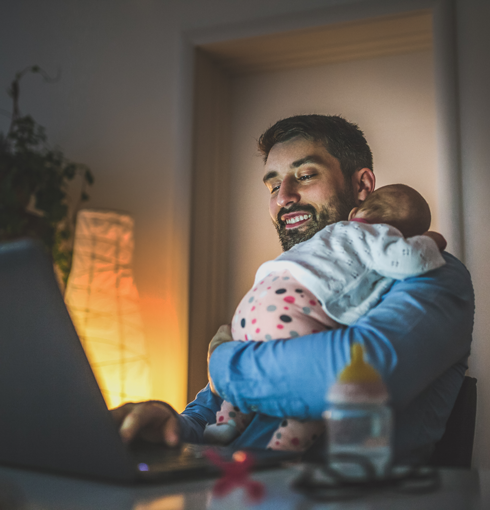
<point>308,190</point>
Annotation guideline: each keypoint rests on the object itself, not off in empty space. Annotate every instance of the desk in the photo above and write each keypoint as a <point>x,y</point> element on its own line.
<point>27,490</point>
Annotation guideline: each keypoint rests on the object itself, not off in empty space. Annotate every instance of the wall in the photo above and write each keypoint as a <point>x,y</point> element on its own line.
<point>474,84</point>
<point>390,98</point>
<point>112,110</point>
<point>122,106</point>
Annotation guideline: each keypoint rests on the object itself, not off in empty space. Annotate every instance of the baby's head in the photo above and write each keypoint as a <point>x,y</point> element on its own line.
<point>398,205</point>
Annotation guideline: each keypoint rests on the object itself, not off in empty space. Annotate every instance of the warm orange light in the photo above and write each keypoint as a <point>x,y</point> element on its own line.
<point>104,305</point>
<point>173,502</point>
<point>239,456</point>
<point>167,351</point>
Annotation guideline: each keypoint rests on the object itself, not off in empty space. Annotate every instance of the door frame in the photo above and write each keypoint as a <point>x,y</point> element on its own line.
<point>204,112</point>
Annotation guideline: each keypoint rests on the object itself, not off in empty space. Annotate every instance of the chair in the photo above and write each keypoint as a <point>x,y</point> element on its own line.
<point>455,447</point>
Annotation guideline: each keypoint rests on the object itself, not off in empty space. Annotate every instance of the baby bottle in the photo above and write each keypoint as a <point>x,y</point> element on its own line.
<point>359,421</point>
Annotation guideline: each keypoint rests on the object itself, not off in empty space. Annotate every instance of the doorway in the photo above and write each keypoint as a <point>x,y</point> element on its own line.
<point>224,226</point>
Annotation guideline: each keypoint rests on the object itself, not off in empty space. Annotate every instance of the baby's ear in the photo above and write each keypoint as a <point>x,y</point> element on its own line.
<point>353,213</point>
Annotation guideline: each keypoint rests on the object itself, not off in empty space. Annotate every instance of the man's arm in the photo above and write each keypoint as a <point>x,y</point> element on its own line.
<point>419,330</point>
<point>437,238</point>
<point>158,422</point>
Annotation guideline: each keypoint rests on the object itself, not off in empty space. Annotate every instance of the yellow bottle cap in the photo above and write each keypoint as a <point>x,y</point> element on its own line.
<point>358,371</point>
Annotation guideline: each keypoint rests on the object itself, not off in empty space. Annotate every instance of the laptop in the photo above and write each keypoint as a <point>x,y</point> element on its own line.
<point>52,414</point>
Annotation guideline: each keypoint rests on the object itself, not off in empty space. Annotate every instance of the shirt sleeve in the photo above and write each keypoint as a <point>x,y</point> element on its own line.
<point>200,411</point>
<point>420,329</point>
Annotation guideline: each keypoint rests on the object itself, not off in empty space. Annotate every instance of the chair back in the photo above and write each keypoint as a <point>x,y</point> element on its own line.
<point>455,447</point>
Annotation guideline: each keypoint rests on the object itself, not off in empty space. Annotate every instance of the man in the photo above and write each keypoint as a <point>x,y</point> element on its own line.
<point>418,337</point>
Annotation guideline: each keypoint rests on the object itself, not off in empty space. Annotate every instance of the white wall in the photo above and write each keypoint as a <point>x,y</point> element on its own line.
<point>112,109</point>
<point>474,86</point>
<point>390,98</point>
<point>122,107</point>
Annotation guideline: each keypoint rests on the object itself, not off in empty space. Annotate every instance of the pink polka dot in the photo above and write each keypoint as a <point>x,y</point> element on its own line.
<point>314,330</point>
<point>280,326</point>
<point>261,282</point>
<point>295,441</point>
<point>246,337</point>
<point>254,321</point>
<point>277,442</point>
<point>255,289</point>
<point>221,418</point>
<point>269,288</point>
<point>286,308</point>
<point>312,303</point>
<point>289,299</point>
<point>253,308</point>
<point>257,330</point>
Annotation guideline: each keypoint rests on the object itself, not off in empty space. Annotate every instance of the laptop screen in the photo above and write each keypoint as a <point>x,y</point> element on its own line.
<point>53,414</point>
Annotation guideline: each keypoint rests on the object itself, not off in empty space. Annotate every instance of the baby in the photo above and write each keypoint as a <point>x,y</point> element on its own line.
<point>331,280</point>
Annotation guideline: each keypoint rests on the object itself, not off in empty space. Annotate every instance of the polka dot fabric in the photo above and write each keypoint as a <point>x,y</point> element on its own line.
<point>296,436</point>
<point>232,415</point>
<point>279,307</point>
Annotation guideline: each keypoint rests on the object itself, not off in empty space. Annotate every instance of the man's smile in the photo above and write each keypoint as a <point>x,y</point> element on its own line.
<point>296,219</point>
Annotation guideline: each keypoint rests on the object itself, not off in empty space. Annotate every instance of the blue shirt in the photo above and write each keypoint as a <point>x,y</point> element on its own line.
<point>418,338</point>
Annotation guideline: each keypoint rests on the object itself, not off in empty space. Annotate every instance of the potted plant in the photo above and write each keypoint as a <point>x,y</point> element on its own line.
<point>34,179</point>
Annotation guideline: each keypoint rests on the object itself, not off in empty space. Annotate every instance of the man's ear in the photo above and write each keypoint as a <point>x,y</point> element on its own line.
<point>363,183</point>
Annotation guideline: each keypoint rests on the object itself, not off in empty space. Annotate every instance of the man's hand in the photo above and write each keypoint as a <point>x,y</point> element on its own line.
<point>223,335</point>
<point>438,238</point>
<point>152,421</point>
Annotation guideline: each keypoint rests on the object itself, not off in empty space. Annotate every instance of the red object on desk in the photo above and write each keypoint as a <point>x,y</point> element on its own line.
<point>235,475</point>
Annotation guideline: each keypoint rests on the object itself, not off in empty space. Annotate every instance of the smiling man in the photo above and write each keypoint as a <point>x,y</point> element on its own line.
<point>312,183</point>
<point>418,337</point>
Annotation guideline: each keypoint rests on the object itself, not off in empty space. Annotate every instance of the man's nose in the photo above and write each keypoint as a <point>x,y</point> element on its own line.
<point>288,193</point>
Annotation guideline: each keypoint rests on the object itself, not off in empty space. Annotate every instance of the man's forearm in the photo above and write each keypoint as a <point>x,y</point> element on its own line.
<point>420,329</point>
<point>200,411</point>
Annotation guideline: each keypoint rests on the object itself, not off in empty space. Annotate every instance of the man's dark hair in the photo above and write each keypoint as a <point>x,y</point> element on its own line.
<point>342,139</point>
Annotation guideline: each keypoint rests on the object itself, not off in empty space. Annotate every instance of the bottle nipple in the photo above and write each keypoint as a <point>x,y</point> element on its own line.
<point>358,371</point>
<point>358,382</point>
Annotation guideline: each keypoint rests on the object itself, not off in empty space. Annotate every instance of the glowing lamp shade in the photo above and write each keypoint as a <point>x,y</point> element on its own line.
<point>103,303</point>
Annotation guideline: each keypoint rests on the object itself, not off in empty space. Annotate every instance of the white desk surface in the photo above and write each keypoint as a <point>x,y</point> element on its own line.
<point>27,490</point>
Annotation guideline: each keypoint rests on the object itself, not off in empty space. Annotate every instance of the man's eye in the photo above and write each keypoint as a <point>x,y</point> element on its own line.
<point>305,177</point>
<point>275,188</point>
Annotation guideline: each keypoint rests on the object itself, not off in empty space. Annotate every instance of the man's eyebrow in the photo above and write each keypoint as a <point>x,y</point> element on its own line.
<point>269,175</point>
<point>307,160</point>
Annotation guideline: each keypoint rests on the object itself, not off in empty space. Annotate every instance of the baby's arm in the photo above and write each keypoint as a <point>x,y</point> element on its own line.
<point>396,257</point>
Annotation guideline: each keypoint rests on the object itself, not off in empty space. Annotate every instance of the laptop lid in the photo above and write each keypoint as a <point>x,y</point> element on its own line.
<point>52,413</point>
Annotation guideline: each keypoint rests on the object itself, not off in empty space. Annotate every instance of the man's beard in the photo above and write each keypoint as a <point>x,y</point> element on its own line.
<point>337,210</point>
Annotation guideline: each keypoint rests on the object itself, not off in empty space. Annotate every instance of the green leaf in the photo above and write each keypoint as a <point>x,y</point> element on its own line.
<point>32,173</point>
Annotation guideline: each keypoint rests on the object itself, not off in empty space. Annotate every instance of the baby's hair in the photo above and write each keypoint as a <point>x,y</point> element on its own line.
<point>400,206</point>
